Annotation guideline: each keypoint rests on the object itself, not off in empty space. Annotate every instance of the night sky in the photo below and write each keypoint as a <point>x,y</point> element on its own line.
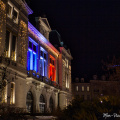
<point>89,28</point>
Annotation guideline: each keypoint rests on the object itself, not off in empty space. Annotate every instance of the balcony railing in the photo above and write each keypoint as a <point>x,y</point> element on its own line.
<point>38,77</point>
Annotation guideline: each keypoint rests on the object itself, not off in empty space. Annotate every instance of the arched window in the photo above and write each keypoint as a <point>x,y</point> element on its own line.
<point>51,105</point>
<point>12,94</point>
<point>42,104</point>
<point>29,102</point>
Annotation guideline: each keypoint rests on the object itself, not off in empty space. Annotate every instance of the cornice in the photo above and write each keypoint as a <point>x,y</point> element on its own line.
<point>24,6</point>
<point>63,50</point>
<point>32,30</point>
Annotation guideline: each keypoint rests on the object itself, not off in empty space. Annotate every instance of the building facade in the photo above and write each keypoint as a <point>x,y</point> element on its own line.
<point>36,75</point>
<point>96,88</point>
<point>82,89</point>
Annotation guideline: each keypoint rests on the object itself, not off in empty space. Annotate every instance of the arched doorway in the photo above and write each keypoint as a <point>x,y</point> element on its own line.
<point>29,102</point>
<point>42,104</point>
<point>51,105</point>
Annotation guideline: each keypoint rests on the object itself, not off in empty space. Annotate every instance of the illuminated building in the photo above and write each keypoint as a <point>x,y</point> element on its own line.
<point>96,88</point>
<point>82,89</point>
<point>38,76</point>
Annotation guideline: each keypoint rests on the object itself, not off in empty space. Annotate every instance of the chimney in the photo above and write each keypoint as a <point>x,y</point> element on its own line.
<point>94,77</point>
<point>82,80</point>
<point>77,79</point>
<point>103,77</point>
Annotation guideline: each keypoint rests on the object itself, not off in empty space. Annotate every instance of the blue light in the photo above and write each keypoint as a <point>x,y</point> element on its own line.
<point>31,40</point>
<point>37,33</point>
<point>37,76</point>
<point>34,62</point>
<point>42,49</point>
<point>34,74</point>
<point>32,58</point>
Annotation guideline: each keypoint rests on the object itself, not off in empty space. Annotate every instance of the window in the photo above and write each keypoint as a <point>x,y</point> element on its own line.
<point>88,89</point>
<point>32,55</point>
<point>51,106</point>
<point>9,10</point>
<point>66,62</point>
<point>13,50</point>
<point>10,45</point>
<point>52,71</point>
<point>82,88</point>
<point>7,43</point>
<point>34,48</point>
<point>30,44</point>
<point>41,53</point>
<point>29,102</point>
<point>12,95</point>
<point>67,80</point>
<point>15,15</point>
<point>44,56</point>
<point>42,104</point>
<point>76,88</point>
<point>12,12</point>
<point>43,62</point>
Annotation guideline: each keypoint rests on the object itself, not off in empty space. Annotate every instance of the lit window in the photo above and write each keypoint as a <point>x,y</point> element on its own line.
<point>32,55</point>
<point>10,45</point>
<point>66,62</point>
<point>82,88</point>
<point>52,72</point>
<point>76,88</point>
<point>13,50</point>
<point>43,62</point>
<point>7,44</point>
<point>67,80</point>
<point>12,95</point>
<point>88,89</point>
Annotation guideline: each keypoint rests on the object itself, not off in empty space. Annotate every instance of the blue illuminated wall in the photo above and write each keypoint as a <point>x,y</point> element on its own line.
<point>43,61</point>
<point>32,55</point>
<point>33,58</point>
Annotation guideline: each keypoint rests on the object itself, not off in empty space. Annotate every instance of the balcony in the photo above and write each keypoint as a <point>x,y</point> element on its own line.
<point>38,77</point>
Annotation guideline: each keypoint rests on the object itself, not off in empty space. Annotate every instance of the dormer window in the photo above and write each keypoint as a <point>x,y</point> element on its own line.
<point>12,12</point>
<point>15,16</point>
<point>9,10</point>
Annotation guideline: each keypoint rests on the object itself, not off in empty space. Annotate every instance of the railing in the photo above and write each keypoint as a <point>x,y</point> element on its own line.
<point>38,77</point>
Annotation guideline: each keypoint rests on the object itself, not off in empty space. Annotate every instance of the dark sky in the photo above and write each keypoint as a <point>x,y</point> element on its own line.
<point>90,28</point>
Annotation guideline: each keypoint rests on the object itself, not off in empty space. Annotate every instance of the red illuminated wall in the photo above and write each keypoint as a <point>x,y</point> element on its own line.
<point>52,70</point>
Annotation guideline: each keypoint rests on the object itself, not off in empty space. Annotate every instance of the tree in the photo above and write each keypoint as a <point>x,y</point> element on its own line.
<point>91,110</point>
